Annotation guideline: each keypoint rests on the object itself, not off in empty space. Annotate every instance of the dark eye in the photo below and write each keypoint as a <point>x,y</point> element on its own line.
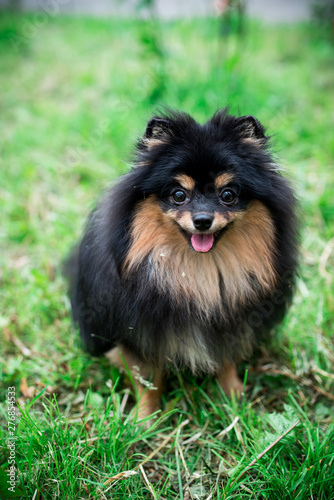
<point>179,196</point>
<point>228,196</point>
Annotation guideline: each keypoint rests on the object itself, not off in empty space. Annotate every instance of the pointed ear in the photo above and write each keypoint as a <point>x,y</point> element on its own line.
<point>250,128</point>
<point>157,127</point>
<point>157,132</point>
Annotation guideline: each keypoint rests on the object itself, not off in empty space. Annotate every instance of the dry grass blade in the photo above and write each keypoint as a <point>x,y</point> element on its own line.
<point>19,344</point>
<point>276,371</point>
<point>266,450</point>
<point>323,392</point>
<point>229,428</point>
<point>187,492</point>
<point>318,370</point>
<point>141,468</point>
<point>323,261</point>
<point>121,475</point>
<point>193,438</point>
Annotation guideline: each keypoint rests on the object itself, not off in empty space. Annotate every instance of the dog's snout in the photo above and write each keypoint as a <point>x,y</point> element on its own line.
<point>202,221</point>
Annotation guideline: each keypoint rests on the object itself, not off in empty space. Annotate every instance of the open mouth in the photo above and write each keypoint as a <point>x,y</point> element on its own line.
<point>202,242</point>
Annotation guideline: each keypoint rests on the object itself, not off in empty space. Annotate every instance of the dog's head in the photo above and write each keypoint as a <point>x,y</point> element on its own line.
<point>203,177</point>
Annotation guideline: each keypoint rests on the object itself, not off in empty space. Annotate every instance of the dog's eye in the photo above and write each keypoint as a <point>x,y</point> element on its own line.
<point>228,196</point>
<point>179,196</point>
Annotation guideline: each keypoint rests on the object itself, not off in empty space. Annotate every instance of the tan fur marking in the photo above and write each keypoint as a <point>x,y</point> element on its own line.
<point>152,231</point>
<point>224,180</point>
<point>173,214</point>
<point>257,142</point>
<point>246,248</point>
<point>154,141</point>
<point>185,181</point>
<point>186,222</point>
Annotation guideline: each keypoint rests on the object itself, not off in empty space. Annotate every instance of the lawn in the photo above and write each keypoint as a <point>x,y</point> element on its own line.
<point>76,93</point>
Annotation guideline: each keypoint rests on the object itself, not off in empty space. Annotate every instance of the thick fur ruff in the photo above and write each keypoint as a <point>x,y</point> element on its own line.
<point>151,276</point>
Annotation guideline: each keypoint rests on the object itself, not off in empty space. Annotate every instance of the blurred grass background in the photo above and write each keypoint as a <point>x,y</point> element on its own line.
<point>76,93</point>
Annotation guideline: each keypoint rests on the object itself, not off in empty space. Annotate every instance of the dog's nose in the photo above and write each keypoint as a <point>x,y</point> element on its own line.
<point>202,221</point>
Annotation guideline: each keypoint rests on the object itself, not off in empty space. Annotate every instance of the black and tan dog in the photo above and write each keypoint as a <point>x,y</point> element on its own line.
<point>190,259</point>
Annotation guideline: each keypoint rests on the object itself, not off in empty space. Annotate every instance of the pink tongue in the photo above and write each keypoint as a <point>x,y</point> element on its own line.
<point>202,242</point>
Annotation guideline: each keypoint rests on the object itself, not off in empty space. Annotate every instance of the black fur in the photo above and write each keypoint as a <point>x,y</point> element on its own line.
<point>131,311</point>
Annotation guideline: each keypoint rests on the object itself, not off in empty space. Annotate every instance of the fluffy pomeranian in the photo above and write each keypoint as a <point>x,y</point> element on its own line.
<point>189,261</point>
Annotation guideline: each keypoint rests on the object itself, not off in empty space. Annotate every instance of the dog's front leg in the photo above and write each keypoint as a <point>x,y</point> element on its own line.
<point>148,391</point>
<point>229,380</point>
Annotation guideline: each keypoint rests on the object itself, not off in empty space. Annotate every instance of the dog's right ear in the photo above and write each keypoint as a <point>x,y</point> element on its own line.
<point>157,127</point>
<point>157,132</point>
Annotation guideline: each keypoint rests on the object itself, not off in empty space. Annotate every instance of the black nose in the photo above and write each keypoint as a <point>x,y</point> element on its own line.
<point>202,221</point>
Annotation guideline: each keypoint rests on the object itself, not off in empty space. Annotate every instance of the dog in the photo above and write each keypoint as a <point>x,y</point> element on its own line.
<point>190,259</point>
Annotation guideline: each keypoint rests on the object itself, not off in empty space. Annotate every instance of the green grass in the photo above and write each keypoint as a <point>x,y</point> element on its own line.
<point>76,93</point>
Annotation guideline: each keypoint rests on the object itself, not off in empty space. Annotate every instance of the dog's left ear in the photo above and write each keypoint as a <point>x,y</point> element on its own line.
<point>157,127</point>
<point>250,128</point>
